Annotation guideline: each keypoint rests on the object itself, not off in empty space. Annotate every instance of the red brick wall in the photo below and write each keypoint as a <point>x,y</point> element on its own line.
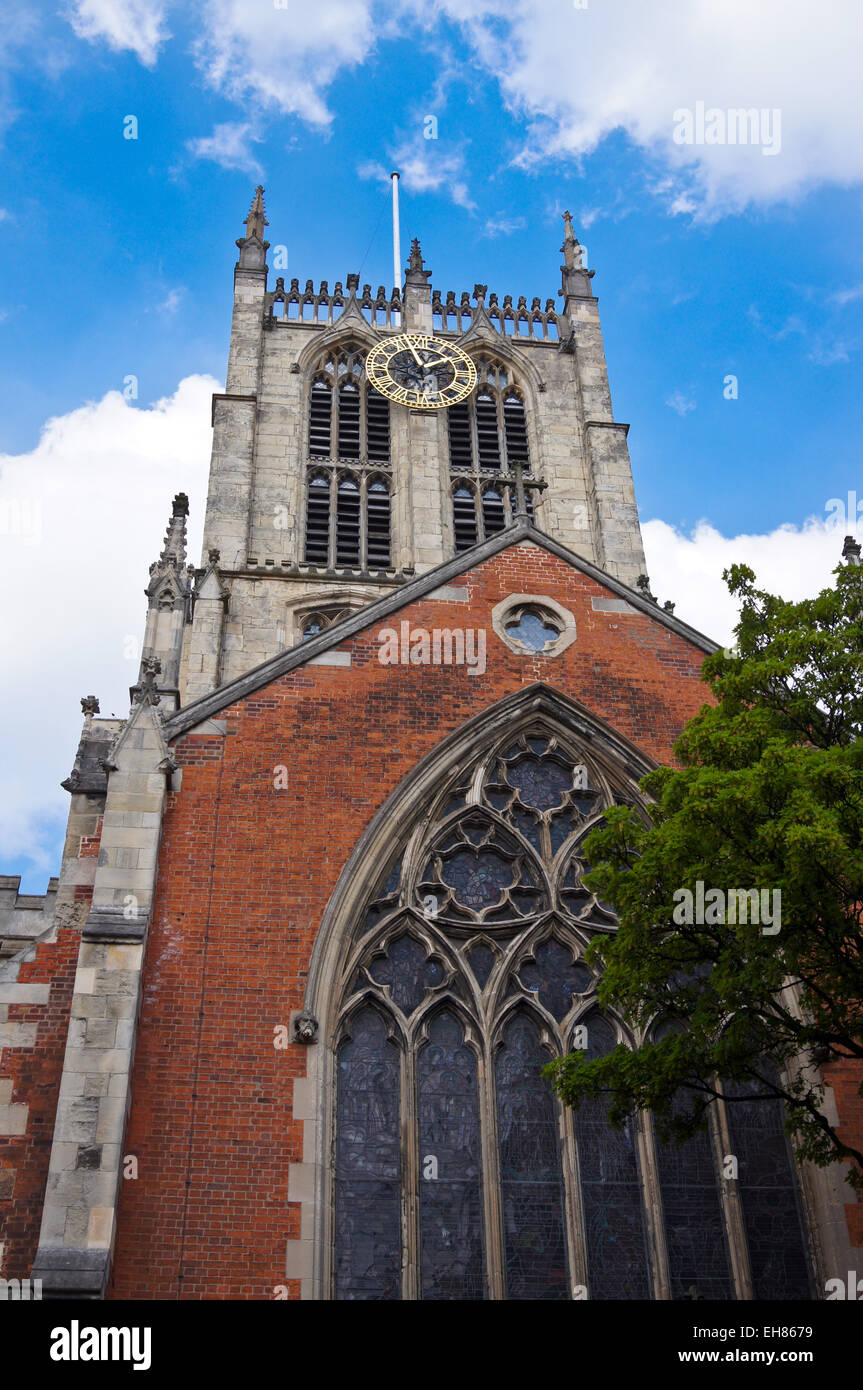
<point>845,1078</point>
<point>245,875</point>
<point>35,1072</point>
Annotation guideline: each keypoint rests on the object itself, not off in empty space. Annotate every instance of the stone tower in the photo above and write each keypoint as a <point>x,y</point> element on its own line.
<point>324,497</point>
<point>322,911</point>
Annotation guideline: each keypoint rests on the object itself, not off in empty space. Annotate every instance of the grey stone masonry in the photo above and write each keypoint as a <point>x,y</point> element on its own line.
<point>255,516</point>
<point>24,916</point>
<point>78,1215</point>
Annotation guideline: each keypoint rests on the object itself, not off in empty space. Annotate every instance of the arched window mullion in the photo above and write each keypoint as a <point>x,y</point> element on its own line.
<point>362,386</point>
<point>410,1177</point>
<point>732,1205</point>
<point>334,518</point>
<point>364,502</point>
<point>494,1248</point>
<point>657,1246</point>
<point>574,1204</point>
<point>334,411</point>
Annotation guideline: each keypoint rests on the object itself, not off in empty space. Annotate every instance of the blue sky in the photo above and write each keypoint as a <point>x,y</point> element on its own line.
<point>710,260</point>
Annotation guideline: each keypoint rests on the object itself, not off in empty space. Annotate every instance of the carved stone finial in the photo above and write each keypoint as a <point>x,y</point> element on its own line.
<point>151,668</point>
<point>305,1028</point>
<point>572,250</point>
<point>416,271</point>
<point>479,293</point>
<point>174,549</point>
<point>353,283</point>
<point>89,706</point>
<point>257,220</point>
<point>643,584</point>
<point>668,606</point>
<point>214,556</point>
<point>851,551</point>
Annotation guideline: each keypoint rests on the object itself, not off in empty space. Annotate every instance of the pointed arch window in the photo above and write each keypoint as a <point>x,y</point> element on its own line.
<point>348,419</point>
<point>481,511</point>
<point>488,433</point>
<point>487,438</point>
<point>348,520</point>
<point>348,514</point>
<point>457,1174</point>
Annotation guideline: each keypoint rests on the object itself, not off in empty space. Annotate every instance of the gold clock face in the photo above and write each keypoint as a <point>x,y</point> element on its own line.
<point>420,371</point>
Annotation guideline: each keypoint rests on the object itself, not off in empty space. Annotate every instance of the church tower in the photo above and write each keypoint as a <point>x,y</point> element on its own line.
<point>322,915</point>
<point>325,495</point>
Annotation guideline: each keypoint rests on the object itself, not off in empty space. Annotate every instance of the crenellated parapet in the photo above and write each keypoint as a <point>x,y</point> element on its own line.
<point>24,916</point>
<point>451,312</point>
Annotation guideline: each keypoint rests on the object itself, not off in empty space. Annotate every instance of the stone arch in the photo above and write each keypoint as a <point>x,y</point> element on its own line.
<point>421,786</point>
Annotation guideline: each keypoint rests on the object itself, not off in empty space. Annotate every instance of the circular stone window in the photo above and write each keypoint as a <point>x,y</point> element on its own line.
<point>533,625</point>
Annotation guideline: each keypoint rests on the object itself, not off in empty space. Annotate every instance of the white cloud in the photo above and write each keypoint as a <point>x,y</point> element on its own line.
<point>849,296</point>
<point>796,562</point>
<point>424,170</point>
<point>827,351</point>
<point>135,25</point>
<point>575,75</point>
<point>84,515</point>
<point>171,303</point>
<point>579,74</point>
<point>503,226</point>
<point>680,403</point>
<point>283,59</point>
<point>229,145</point>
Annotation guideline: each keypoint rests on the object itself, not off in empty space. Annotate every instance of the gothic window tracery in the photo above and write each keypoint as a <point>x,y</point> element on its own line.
<point>457,1174</point>
<point>316,622</point>
<point>347,482</point>
<point>487,438</point>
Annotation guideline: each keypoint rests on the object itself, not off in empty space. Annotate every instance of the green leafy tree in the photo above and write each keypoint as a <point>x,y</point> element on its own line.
<point>768,796</point>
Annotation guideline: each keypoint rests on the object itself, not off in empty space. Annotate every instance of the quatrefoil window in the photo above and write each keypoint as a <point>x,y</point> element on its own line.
<point>533,625</point>
<point>532,631</point>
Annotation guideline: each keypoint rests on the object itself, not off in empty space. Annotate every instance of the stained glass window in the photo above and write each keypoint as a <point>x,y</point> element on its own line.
<point>481,961</point>
<point>451,1224</point>
<point>694,1224</point>
<point>467,968</point>
<point>555,977</point>
<point>531,1177</point>
<point>540,784</point>
<point>479,880</point>
<point>368,1219</point>
<point>769,1196</point>
<point>617,1265</point>
<point>408,971</point>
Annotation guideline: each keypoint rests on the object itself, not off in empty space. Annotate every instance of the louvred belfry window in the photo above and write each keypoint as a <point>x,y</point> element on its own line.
<point>487,437</point>
<point>457,1175</point>
<point>348,515</point>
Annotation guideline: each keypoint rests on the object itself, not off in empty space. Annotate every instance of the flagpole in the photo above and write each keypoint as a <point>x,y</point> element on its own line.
<point>397,250</point>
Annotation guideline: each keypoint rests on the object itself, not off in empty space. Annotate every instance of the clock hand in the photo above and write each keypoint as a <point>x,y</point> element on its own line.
<point>416,354</point>
<point>436,362</point>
